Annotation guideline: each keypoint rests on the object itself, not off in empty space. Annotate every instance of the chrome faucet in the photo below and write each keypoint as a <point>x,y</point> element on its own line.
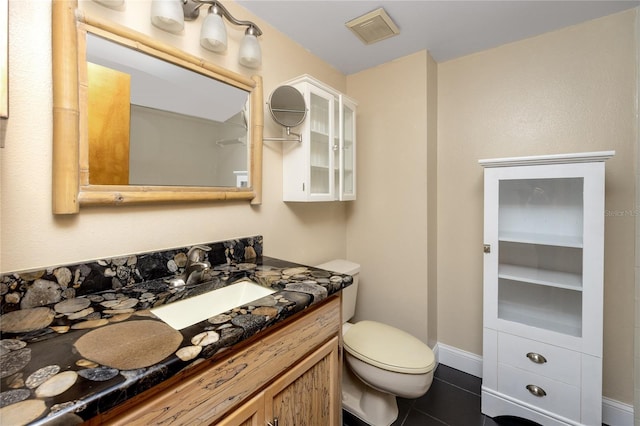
<point>194,268</point>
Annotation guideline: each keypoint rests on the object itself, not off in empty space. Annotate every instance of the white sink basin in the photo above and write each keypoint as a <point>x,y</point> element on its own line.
<point>198,308</point>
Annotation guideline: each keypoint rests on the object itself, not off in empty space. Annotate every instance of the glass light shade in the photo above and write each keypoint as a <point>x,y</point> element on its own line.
<point>250,53</point>
<point>167,15</point>
<point>213,34</point>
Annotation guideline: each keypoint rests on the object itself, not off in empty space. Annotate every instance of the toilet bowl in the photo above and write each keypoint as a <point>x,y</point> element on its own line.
<point>381,361</point>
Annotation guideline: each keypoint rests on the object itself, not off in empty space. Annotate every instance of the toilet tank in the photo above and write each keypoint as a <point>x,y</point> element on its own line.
<point>350,293</point>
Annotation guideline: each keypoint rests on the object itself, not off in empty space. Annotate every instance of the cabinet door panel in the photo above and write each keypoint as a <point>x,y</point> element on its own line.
<point>307,395</point>
<point>321,143</point>
<point>347,160</point>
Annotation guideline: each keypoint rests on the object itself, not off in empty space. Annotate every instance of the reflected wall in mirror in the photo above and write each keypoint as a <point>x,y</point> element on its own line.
<point>116,92</point>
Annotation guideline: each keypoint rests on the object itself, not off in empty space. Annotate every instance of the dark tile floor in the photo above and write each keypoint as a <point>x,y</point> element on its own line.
<point>453,399</point>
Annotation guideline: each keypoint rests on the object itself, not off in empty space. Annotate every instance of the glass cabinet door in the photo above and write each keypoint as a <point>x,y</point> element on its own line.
<point>321,141</point>
<point>544,236</point>
<point>347,150</point>
<point>540,234</point>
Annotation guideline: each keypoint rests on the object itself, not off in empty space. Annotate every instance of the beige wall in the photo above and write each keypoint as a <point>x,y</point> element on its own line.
<point>387,225</point>
<point>571,90</point>
<point>32,237</point>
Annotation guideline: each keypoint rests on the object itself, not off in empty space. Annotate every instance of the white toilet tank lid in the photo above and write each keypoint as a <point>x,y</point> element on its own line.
<point>341,266</point>
<point>389,348</point>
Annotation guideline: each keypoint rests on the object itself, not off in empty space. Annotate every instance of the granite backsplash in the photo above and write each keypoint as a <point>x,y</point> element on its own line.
<point>29,289</point>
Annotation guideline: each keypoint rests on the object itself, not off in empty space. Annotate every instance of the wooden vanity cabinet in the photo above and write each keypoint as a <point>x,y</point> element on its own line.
<point>291,373</point>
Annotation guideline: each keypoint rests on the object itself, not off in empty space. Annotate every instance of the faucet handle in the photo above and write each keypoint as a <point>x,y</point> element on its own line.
<point>194,252</point>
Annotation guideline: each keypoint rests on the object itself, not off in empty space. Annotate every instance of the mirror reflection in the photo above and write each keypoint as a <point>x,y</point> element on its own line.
<point>155,123</point>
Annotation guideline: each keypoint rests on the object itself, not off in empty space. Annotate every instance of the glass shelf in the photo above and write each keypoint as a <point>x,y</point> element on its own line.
<point>566,280</point>
<point>319,132</point>
<point>541,239</point>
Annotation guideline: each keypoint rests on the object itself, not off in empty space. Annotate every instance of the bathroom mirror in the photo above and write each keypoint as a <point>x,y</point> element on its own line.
<point>87,169</point>
<point>162,124</point>
<point>287,106</point>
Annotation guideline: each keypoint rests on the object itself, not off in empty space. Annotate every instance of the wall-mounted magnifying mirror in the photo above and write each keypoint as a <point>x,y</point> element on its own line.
<point>288,108</point>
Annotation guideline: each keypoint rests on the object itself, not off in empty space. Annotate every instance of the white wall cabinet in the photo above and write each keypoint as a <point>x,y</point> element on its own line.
<point>322,166</point>
<point>543,288</point>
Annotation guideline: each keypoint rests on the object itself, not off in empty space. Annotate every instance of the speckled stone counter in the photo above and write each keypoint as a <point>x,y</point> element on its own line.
<point>78,340</point>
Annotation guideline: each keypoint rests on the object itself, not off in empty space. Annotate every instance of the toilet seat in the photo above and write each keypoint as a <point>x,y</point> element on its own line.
<point>389,348</point>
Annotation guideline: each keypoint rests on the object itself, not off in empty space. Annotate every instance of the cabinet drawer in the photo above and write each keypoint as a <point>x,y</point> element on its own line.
<point>560,398</point>
<point>560,363</point>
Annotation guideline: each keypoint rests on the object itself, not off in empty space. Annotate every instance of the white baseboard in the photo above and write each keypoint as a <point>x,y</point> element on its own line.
<point>460,360</point>
<point>614,413</point>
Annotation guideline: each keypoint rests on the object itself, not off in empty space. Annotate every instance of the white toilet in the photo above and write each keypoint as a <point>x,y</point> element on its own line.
<point>381,362</point>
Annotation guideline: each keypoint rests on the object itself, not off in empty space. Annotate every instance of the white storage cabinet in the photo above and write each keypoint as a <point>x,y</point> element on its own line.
<point>323,166</point>
<point>543,288</point>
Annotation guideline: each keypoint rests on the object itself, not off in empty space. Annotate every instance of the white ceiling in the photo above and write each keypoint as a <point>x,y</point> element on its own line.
<point>446,28</point>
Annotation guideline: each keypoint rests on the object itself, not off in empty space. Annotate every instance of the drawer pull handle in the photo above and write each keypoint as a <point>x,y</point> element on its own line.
<point>275,422</point>
<point>537,358</point>
<point>536,391</point>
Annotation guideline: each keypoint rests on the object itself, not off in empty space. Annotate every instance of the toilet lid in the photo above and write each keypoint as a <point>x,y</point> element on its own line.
<point>388,348</point>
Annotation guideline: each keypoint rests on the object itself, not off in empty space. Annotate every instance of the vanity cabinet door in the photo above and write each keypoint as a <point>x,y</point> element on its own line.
<point>306,395</point>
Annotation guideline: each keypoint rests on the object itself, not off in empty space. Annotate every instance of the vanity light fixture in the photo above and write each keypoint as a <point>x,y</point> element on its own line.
<point>213,34</point>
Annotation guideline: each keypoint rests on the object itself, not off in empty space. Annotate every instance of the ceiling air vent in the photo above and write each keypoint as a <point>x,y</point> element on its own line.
<point>373,26</point>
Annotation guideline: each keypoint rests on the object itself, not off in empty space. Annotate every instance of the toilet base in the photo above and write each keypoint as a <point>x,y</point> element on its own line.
<point>369,405</point>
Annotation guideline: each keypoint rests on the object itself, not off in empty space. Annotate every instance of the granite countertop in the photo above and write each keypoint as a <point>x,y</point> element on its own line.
<point>86,354</point>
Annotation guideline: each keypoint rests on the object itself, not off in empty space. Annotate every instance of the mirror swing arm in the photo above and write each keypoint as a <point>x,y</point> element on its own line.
<point>70,178</point>
<point>298,137</point>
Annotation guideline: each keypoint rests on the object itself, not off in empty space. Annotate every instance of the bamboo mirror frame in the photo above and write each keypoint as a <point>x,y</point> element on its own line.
<point>71,187</point>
